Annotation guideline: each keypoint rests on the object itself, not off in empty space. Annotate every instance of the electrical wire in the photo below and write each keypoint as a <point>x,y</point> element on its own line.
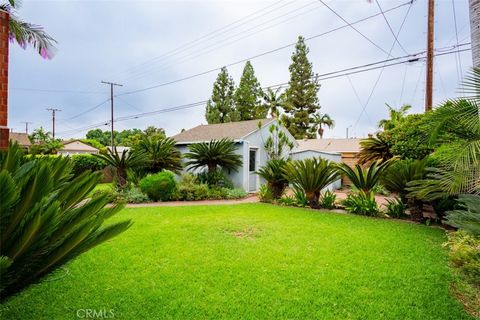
<point>390,27</point>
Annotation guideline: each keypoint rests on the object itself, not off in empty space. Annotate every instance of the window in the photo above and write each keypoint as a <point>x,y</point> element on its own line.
<point>253,156</point>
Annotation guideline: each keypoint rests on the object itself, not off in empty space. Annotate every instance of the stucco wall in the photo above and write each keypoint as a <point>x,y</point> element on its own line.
<point>335,157</point>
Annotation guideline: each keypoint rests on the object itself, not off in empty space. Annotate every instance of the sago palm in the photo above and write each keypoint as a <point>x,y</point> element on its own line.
<point>213,154</point>
<point>311,176</point>
<point>273,173</point>
<point>25,33</point>
<point>123,162</point>
<point>374,148</point>
<point>401,173</point>
<point>365,179</point>
<point>46,218</point>
<point>162,154</point>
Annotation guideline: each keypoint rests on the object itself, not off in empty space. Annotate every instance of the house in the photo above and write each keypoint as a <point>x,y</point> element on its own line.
<point>120,149</point>
<point>76,147</point>
<point>347,148</point>
<point>20,138</point>
<point>249,138</point>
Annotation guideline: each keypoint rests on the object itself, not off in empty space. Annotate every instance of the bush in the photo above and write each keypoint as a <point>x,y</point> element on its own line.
<point>190,192</point>
<point>327,200</point>
<point>218,193</point>
<point>361,203</point>
<point>287,201</point>
<point>85,162</point>
<point>300,197</point>
<point>110,193</point>
<point>396,208</point>
<point>467,215</point>
<point>216,178</point>
<point>159,186</point>
<point>465,254</point>
<point>132,195</point>
<point>265,194</point>
<point>236,193</point>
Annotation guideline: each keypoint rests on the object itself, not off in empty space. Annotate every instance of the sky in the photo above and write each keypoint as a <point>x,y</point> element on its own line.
<point>142,44</point>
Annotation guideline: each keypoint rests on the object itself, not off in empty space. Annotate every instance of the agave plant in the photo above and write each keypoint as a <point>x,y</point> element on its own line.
<point>373,149</point>
<point>161,153</point>
<point>272,172</point>
<point>46,218</point>
<point>311,176</point>
<point>213,154</point>
<point>467,216</point>
<point>365,179</point>
<point>127,160</point>
<point>400,174</point>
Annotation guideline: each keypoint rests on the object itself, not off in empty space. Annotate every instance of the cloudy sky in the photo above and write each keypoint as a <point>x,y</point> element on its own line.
<point>143,44</point>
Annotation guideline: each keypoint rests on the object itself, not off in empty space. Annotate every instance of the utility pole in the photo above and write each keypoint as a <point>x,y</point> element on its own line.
<point>474,6</point>
<point>430,40</point>
<point>111,107</point>
<point>54,110</point>
<point>26,125</point>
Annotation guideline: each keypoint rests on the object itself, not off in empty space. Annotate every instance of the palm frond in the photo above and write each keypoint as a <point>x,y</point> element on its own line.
<point>26,33</point>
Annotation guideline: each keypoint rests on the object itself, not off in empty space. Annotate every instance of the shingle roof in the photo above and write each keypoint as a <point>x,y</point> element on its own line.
<point>330,145</point>
<point>232,130</point>
<point>21,138</point>
<point>76,145</point>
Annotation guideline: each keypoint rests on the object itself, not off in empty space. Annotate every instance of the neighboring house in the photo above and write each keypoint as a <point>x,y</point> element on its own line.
<point>20,138</point>
<point>347,148</point>
<point>76,147</point>
<point>119,149</point>
<point>249,139</point>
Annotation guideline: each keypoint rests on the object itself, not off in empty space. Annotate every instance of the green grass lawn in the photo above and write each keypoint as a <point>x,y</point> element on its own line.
<point>252,261</point>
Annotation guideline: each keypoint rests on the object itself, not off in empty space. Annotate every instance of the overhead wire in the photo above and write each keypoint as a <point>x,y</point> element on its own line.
<point>390,28</point>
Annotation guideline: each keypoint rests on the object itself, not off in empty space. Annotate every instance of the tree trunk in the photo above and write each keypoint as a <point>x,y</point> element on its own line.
<point>475,31</point>
<point>122,177</point>
<point>313,199</point>
<point>320,132</point>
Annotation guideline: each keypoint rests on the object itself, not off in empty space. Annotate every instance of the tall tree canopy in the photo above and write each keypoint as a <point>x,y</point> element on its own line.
<point>221,106</point>
<point>248,96</point>
<point>301,101</point>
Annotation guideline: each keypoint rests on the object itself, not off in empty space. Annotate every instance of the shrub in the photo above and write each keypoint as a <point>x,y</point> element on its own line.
<point>365,179</point>
<point>327,200</point>
<point>264,193</point>
<point>47,218</point>
<point>467,216</point>
<point>465,254</point>
<point>85,162</point>
<point>287,201</point>
<point>109,193</point>
<point>397,177</point>
<point>300,197</point>
<point>132,195</point>
<point>215,178</point>
<point>218,193</point>
<point>396,208</point>
<point>236,193</point>
<point>159,186</point>
<point>361,203</point>
<point>272,172</point>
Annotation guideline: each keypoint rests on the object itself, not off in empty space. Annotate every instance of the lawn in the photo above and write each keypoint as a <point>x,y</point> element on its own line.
<point>252,261</point>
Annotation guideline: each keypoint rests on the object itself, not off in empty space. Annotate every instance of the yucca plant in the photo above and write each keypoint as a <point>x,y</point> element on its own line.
<point>311,176</point>
<point>47,218</point>
<point>272,172</point>
<point>374,148</point>
<point>161,154</point>
<point>402,172</point>
<point>365,179</point>
<point>123,162</point>
<point>213,154</point>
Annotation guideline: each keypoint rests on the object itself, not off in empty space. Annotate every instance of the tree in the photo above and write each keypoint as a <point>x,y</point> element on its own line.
<point>273,101</point>
<point>47,217</point>
<point>320,120</point>
<point>396,117</point>
<point>301,100</point>
<point>127,160</point>
<point>213,154</point>
<point>103,137</point>
<point>374,148</point>
<point>221,106</point>
<point>248,96</point>
<point>277,145</point>
<point>161,153</point>
<point>25,33</point>
<point>43,143</point>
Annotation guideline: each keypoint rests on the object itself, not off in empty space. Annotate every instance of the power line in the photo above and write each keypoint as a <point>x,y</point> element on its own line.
<point>330,75</point>
<point>54,110</point>
<point>458,59</point>
<point>390,27</point>
<point>88,110</point>
<point>351,26</point>
<point>260,54</point>
<point>56,91</point>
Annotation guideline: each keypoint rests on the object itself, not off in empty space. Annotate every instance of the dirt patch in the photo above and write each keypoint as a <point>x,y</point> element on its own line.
<point>245,233</point>
<point>469,296</point>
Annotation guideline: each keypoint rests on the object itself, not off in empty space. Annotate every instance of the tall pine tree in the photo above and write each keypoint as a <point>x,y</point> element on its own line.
<point>221,106</point>
<point>248,96</point>
<point>301,101</point>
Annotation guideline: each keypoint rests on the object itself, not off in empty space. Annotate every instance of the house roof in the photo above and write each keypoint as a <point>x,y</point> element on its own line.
<point>21,138</point>
<point>329,145</point>
<point>77,145</point>
<point>233,130</point>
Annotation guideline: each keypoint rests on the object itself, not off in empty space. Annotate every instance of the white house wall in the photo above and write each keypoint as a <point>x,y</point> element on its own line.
<point>335,157</point>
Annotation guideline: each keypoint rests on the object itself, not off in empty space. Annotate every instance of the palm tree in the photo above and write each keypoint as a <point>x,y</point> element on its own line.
<point>127,160</point>
<point>365,179</point>
<point>274,101</point>
<point>374,148</point>
<point>321,120</point>
<point>25,33</point>
<point>272,172</point>
<point>396,117</point>
<point>161,153</point>
<point>213,154</point>
<point>311,176</point>
<point>47,218</point>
